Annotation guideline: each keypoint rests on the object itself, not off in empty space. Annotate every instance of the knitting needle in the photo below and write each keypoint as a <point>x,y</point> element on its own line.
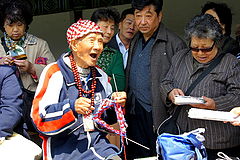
<point>115,84</point>
<point>137,143</point>
<point>114,81</point>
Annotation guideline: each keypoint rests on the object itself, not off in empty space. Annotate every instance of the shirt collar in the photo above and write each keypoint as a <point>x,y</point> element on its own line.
<point>154,36</point>
<point>119,42</point>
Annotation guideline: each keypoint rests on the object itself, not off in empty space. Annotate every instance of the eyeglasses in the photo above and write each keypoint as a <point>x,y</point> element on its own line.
<point>201,49</point>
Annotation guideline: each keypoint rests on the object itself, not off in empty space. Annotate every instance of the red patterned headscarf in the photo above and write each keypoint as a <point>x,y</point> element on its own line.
<point>81,28</point>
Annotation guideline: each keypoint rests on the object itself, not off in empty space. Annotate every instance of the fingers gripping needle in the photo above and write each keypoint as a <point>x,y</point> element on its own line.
<point>115,83</point>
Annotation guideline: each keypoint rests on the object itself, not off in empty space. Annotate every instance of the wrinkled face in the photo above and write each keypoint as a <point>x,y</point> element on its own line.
<point>107,28</point>
<point>203,50</point>
<point>214,14</point>
<point>87,49</point>
<point>127,27</point>
<point>147,20</point>
<point>14,30</point>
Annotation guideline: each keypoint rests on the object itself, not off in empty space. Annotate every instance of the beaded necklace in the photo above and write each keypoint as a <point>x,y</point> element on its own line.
<point>78,80</point>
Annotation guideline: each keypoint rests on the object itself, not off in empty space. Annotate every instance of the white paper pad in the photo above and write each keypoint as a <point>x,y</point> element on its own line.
<point>182,100</point>
<point>206,114</point>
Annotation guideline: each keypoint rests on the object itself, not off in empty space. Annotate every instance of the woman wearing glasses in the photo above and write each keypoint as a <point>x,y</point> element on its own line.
<point>220,88</point>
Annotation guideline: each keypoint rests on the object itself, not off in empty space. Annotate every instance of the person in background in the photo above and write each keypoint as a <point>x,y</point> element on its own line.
<point>149,58</point>
<point>127,30</point>
<point>70,91</point>
<point>220,88</point>
<point>29,53</point>
<point>222,13</point>
<point>15,18</point>
<point>110,60</point>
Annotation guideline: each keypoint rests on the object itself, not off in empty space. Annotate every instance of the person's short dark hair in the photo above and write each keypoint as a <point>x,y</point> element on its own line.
<point>203,26</point>
<point>105,14</point>
<point>16,10</point>
<point>224,13</point>
<point>140,4</point>
<point>126,12</point>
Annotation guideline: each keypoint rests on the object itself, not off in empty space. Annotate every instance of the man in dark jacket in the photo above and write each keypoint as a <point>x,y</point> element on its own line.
<point>149,59</point>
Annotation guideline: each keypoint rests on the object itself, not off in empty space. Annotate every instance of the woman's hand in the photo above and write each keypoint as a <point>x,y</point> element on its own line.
<point>83,106</point>
<point>25,66</point>
<point>120,98</point>
<point>175,92</point>
<point>209,104</point>
<point>236,111</point>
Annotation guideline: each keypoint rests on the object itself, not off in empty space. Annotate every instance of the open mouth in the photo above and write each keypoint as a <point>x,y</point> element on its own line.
<point>93,55</point>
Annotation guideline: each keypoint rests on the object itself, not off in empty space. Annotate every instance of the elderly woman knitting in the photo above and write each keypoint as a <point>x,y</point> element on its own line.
<point>70,91</point>
<point>220,88</point>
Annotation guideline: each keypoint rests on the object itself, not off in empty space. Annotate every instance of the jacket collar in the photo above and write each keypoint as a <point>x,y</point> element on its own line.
<point>65,67</point>
<point>30,40</point>
<point>189,61</point>
<point>161,33</point>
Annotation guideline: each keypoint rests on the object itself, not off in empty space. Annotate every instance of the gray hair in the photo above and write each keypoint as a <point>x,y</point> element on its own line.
<point>203,26</point>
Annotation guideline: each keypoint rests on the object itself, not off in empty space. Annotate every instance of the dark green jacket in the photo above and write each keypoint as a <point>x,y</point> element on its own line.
<point>111,62</point>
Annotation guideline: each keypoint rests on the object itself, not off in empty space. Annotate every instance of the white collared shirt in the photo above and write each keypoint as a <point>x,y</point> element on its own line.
<point>123,50</point>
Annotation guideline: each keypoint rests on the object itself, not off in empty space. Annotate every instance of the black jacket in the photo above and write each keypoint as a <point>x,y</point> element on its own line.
<point>230,45</point>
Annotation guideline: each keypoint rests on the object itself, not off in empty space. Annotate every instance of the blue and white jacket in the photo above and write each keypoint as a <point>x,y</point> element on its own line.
<point>60,126</point>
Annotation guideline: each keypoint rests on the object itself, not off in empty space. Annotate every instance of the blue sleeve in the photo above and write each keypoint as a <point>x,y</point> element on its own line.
<point>10,101</point>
